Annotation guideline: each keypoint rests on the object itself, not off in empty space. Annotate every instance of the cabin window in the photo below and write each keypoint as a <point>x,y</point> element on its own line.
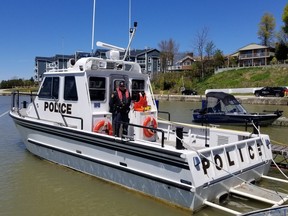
<point>97,88</point>
<point>116,84</point>
<point>50,88</point>
<point>70,90</point>
<point>137,87</point>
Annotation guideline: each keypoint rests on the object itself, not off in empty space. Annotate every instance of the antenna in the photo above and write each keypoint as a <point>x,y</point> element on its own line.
<point>93,24</point>
<point>109,46</point>
<point>132,31</point>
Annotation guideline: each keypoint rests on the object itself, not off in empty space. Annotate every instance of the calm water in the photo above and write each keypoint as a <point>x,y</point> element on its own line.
<point>31,186</point>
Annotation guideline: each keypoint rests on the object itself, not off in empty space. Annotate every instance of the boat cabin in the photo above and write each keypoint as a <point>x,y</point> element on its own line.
<point>222,102</point>
<point>64,94</point>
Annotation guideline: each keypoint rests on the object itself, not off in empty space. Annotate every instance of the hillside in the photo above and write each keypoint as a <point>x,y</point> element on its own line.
<point>241,78</point>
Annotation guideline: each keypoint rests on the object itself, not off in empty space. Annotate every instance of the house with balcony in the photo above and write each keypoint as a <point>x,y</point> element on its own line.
<point>254,55</point>
<point>187,62</point>
<point>184,62</point>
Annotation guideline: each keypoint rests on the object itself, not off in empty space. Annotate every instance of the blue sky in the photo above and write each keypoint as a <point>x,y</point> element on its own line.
<point>44,28</point>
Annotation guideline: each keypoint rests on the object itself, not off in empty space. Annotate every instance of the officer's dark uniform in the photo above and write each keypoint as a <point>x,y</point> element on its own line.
<point>120,107</point>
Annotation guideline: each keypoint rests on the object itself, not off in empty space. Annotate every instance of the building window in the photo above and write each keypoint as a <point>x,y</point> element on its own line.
<point>97,88</point>
<point>149,59</point>
<point>149,68</point>
<point>70,90</point>
<point>50,88</point>
<point>141,61</point>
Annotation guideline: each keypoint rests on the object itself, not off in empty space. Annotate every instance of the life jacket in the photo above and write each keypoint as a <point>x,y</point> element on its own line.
<point>120,96</point>
<point>141,104</point>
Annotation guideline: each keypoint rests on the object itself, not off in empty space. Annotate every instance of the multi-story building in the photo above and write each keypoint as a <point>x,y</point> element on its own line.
<point>254,55</point>
<point>149,60</point>
<point>43,64</point>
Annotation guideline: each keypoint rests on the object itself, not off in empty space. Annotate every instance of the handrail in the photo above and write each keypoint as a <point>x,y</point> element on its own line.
<point>151,128</point>
<point>169,117</point>
<point>17,100</point>
<point>75,117</point>
<point>16,103</point>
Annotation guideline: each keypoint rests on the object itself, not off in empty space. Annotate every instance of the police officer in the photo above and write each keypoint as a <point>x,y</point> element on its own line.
<point>120,107</point>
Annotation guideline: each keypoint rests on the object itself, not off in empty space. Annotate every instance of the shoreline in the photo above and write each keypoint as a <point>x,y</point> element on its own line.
<point>244,99</point>
<point>281,121</point>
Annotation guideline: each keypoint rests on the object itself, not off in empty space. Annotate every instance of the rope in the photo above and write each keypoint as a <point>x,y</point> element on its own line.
<point>3,114</point>
<point>274,141</point>
<point>279,169</point>
<point>272,158</point>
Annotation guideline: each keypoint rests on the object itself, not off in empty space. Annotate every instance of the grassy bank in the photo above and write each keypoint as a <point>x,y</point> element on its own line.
<point>241,78</point>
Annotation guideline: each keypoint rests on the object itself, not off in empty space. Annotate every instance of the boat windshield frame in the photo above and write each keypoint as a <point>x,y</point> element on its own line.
<point>223,102</point>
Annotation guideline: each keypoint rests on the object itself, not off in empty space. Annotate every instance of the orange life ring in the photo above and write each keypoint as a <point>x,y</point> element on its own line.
<point>149,122</point>
<point>103,127</point>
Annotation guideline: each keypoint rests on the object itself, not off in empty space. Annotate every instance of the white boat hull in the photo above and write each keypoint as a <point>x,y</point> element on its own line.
<point>108,164</point>
<point>151,170</point>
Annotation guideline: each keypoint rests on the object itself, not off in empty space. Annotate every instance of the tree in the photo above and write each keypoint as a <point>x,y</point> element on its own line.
<point>210,49</point>
<point>200,43</point>
<point>168,49</point>
<point>281,51</point>
<point>285,19</point>
<point>282,37</point>
<point>219,59</point>
<point>266,29</point>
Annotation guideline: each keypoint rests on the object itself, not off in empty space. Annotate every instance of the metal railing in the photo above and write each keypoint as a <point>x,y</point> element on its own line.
<point>144,127</point>
<point>16,104</point>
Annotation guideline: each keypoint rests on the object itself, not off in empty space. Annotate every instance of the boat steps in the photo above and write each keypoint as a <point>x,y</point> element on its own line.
<point>260,194</point>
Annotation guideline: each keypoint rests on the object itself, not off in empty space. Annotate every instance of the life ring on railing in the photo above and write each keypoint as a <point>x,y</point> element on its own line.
<point>103,126</point>
<point>149,122</point>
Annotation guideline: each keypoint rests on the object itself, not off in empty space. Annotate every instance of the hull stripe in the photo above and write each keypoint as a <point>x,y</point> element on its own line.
<point>122,168</point>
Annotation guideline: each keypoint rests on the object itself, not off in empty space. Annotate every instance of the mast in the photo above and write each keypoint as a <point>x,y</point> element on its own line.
<point>129,35</point>
<point>93,24</point>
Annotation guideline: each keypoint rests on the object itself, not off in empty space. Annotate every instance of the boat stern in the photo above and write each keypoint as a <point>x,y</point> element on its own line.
<point>217,170</point>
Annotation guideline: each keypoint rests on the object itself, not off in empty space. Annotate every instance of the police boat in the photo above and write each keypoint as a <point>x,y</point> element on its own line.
<point>68,122</point>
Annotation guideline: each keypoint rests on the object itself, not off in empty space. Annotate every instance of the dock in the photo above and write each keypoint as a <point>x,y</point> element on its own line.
<point>244,99</point>
<point>280,155</point>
